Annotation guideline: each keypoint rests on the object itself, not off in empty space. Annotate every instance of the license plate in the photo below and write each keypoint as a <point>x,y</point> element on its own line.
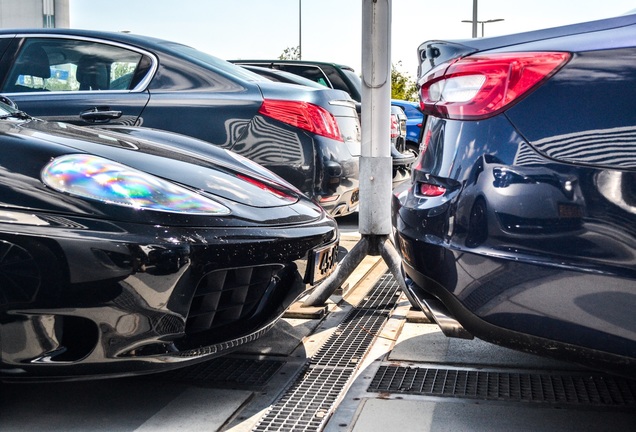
<point>570,211</point>
<point>323,262</point>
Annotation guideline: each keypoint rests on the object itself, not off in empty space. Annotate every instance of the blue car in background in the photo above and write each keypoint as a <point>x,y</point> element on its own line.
<point>414,122</point>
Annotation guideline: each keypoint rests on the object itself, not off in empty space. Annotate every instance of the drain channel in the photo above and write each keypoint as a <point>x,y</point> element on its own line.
<point>309,402</point>
<point>576,388</point>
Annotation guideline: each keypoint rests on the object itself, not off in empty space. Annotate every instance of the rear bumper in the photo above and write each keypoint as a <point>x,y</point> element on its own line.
<point>549,311</point>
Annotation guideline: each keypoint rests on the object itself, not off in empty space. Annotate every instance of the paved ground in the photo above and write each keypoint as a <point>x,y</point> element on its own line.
<point>238,392</point>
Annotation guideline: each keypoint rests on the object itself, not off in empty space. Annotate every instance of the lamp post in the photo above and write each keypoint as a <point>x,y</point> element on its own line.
<point>482,24</point>
<point>300,29</point>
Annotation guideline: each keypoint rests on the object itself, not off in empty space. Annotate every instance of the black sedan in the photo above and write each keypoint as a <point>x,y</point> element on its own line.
<point>131,250</point>
<point>310,137</point>
<point>519,224</point>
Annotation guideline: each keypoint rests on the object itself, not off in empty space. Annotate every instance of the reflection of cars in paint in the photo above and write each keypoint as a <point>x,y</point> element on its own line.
<point>398,128</point>
<point>301,134</point>
<point>535,125</point>
<point>516,201</point>
<point>130,250</point>
<point>401,158</point>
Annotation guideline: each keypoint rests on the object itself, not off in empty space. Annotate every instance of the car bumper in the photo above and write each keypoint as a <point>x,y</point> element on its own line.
<point>95,298</point>
<point>515,298</point>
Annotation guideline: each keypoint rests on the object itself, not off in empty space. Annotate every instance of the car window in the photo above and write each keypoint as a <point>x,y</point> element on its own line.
<point>57,64</point>
<point>354,78</point>
<point>312,73</point>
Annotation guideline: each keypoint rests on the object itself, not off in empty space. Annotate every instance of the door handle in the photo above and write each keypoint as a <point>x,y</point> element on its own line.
<point>100,115</point>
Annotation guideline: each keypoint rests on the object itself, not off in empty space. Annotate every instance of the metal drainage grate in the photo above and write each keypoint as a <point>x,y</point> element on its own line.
<point>383,296</point>
<point>351,340</point>
<point>306,406</point>
<point>309,402</point>
<point>228,371</point>
<point>559,389</point>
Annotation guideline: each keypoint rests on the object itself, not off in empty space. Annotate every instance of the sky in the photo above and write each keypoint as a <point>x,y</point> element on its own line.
<point>327,30</point>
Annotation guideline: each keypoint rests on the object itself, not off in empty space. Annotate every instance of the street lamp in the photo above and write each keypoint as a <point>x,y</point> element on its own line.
<point>482,24</point>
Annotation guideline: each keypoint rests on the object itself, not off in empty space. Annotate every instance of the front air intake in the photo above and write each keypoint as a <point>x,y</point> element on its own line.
<point>226,296</point>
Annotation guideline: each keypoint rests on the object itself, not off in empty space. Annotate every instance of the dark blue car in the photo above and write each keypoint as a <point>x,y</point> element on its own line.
<point>519,224</point>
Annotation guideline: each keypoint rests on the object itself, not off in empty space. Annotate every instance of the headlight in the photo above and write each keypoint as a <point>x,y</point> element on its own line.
<point>100,179</point>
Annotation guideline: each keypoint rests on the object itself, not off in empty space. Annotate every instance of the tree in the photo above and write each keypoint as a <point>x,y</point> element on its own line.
<point>290,53</point>
<point>402,85</point>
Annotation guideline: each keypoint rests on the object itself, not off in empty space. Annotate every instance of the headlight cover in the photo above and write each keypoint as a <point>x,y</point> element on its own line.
<point>96,178</point>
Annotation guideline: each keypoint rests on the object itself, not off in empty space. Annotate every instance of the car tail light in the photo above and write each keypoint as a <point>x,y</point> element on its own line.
<point>394,126</point>
<point>303,115</point>
<point>327,199</point>
<point>430,190</point>
<point>480,86</point>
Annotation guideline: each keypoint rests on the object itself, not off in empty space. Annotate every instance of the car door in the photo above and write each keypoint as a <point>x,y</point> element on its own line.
<point>77,80</point>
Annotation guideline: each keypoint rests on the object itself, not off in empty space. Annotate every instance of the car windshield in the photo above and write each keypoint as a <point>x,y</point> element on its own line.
<point>216,62</point>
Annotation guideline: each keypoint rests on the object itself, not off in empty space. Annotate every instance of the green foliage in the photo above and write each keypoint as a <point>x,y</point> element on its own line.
<point>119,69</point>
<point>54,84</point>
<point>402,85</point>
<point>290,53</point>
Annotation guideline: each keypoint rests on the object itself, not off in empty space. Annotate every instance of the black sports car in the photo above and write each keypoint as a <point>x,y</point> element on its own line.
<point>519,224</point>
<point>131,250</point>
<point>309,137</point>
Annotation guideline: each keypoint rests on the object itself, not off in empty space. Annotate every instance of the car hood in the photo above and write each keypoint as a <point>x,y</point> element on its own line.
<point>236,182</point>
<point>435,52</point>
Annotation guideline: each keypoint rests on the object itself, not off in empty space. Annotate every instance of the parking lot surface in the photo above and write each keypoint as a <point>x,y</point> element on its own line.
<point>366,362</point>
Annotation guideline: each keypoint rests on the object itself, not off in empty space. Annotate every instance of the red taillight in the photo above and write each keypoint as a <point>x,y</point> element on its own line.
<point>327,199</point>
<point>304,115</point>
<point>394,126</point>
<point>480,86</point>
<point>430,190</point>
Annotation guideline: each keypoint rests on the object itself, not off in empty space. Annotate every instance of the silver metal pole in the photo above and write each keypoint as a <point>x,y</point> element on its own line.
<point>374,220</point>
<point>474,18</point>
<point>375,163</point>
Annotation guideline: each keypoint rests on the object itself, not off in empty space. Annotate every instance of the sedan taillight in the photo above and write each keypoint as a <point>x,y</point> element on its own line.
<point>430,190</point>
<point>303,115</point>
<point>480,86</point>
<point>394,126</point>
